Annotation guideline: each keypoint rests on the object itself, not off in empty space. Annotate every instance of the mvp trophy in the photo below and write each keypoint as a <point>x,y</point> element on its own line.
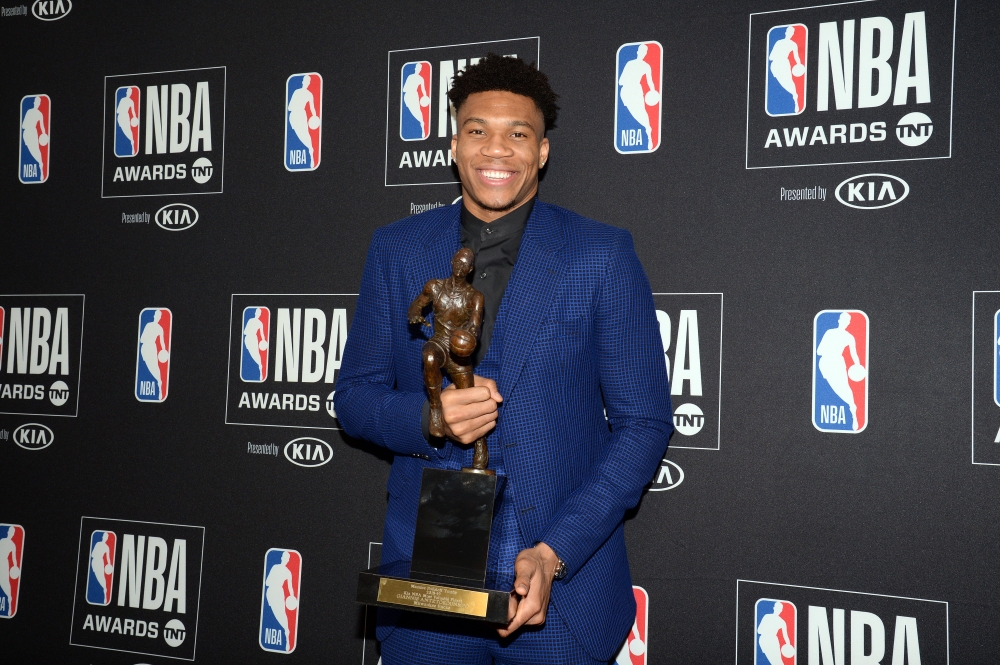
<point>447,574</point>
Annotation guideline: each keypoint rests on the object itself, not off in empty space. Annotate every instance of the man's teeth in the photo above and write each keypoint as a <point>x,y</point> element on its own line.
<point>496,175</point>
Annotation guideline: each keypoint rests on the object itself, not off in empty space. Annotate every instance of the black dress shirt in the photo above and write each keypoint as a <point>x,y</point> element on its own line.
<point>495,245</point>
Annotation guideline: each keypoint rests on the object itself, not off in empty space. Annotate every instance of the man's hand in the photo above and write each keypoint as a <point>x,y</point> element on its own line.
<point>470,413</point>
<point>417,319</point>
<point>535,569</point>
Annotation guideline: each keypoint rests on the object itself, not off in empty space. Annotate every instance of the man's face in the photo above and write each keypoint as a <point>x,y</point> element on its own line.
<point>499,147</point>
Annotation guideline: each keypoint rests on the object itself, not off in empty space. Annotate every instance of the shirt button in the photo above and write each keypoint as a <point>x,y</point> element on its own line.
<point>489,231</point>
<point>482,275</point>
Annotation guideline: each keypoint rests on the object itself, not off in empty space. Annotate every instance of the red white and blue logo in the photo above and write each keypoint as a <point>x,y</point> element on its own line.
<point>840,371</point>
<point>786,70</point>
<point>635,651</point>
<point>11,550</point>
<point>36,111</point>
<point>303,121</point>
<point>279,608</point>
<point>102,567</point>
<point>638,89</point>
<point>256,336</point>
<point>127,121</point>
<point>774,634</point>
<point>415,101</point>
<point>152,368</point>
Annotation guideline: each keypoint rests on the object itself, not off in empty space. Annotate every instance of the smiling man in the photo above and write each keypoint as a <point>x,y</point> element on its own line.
<point>569,334</point>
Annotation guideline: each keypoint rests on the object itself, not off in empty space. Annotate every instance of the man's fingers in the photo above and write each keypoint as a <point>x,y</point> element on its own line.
<point>471,435</point>
<point>491,384</point>
<point>466,395</point>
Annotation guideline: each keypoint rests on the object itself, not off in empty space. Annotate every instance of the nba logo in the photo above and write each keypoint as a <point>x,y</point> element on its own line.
<point>840,371</point>
<point>638,86</point>
<point>279,609</point>
<point>774,637</point>
<point>786,70</point>
<point>303,121</point>
<point>152,368</point>
<point>127,121</point>
<point>11,549</point>
<point>635,649</point>
<point>102,567</point>
<point>415,101</point>
<point>256,333</point>
<point>35,132</point>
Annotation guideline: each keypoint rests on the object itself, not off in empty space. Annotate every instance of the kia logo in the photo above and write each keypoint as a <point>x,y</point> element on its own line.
<point>870,191</point>
<point>176,217</point>
<point>51,10</point>
<point>308,451</point>
<point>667,477</point>
<point>32,436</point>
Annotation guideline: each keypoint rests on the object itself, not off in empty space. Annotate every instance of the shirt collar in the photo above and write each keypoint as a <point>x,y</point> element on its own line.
<point>501,228</point>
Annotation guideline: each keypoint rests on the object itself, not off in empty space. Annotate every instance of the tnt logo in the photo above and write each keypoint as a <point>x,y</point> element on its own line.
<point>102,567</point>
<point>127,116</point>
<point>35,129</point>
<point>415,101</point>
<point>635,649</point>
<point>256,336</point>
<point>840,371</point>
<point>638,88</point>
<point>152,369</point>
<point>786,70</point>
<point>303,120</point>
<point>11,549</point>
<point>279,608</point>
<point>774,642</point>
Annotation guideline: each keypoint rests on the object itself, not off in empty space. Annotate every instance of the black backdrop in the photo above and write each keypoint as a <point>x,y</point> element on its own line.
<point>897,509</point>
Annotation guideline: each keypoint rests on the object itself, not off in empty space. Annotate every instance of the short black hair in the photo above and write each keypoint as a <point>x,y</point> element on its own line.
<point>497,72</point>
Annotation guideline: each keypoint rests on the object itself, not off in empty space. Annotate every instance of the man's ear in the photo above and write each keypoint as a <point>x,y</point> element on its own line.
<point>543,152</point>
<point>454,144</point>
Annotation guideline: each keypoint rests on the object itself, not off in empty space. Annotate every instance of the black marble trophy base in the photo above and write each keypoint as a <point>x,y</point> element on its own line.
<point>448,572</point>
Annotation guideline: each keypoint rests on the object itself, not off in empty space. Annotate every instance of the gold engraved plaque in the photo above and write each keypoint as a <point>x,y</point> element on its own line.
<point>432,597</point>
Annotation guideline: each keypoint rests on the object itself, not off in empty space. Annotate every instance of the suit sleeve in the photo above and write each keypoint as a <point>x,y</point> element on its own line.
<point>637,399</point>
<point>368,404</point>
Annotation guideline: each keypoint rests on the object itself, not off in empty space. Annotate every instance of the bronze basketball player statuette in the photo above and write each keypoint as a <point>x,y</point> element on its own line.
<point>458,320</point>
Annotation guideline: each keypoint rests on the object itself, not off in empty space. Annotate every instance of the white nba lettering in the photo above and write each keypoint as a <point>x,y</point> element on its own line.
<point>868,62</point>
<point>314,402</point>
<point>156,119</point>
<point>858,622</point>
<point>772,137</point>
<point>60,343</point>
<point>129,628</point>
<point>180,109</point>
<point>88,623</point>
<point>156,563</point>
<point>818,135</point>
<point>422,158</point>
<point>439,157</point>
<point>300,402</point>
<point>913,44</point>
<point>287,402</point>
<point>876,131</point>
<point>864,132</point>
<point>41,327</point>
<point>996,440</point>
<point>177,579</point>
<point>201,119</point>
<point>819,637</point>
<point>312,345</point>
<point>405,161</point>
<point>838,132</point>
<point>843,69</point>
<point>664,320</point>
<point>157,171</point>
<point>117,627</point>
<point>275,402</point>
<point>338,340</point>
<point>797,137</point>
<point>445,109</point>
<point>245,400</point>
<point>130,575</point>
<point>289,335</point>
<point>687,351</point>
<point>145,174</point>
<point>906,640</point>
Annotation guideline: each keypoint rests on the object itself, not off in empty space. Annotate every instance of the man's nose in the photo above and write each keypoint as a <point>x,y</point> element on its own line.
<point>497,146</point>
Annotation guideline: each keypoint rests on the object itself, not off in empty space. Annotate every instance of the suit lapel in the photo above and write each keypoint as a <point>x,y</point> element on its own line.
<point>537,273</point>
<point>434,251</point>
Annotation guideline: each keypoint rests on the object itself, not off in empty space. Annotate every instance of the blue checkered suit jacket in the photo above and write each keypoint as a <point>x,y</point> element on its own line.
<point>577,324</point>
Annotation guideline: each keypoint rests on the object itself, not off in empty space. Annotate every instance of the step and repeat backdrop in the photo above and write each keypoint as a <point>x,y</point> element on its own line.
<point>813,192</point>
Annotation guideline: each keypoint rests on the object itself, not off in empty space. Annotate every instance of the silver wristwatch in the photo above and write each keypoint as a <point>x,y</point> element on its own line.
<point>560,570</point>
